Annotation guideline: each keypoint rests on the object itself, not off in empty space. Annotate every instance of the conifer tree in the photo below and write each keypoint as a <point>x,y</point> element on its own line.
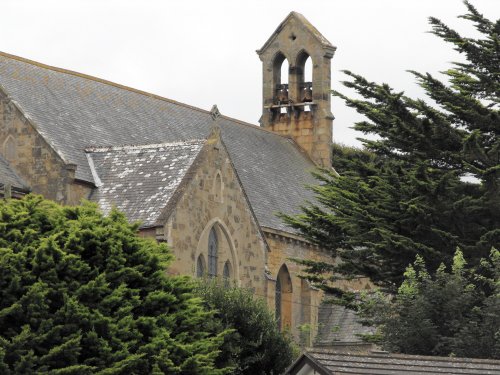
<point>430,180</point>
<point>83,294</point>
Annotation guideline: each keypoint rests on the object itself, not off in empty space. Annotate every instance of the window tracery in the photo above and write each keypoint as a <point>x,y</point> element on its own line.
<point>200,266</point>
<point>212,253</point>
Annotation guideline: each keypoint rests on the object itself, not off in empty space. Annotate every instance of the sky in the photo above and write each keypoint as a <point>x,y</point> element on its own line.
<point>203,52</point>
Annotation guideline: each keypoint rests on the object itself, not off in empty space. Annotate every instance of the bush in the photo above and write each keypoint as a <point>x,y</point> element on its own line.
<point>450,313</point>
<point>255,345</point>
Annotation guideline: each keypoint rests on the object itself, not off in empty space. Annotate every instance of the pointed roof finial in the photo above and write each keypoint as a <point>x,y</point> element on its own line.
<point>214,112</point>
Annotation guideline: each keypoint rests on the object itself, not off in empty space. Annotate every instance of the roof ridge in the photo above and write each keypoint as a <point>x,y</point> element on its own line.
<point>95,149</point>
<point>96,79</point>
<point>309,27</point>
<point>128,88</point>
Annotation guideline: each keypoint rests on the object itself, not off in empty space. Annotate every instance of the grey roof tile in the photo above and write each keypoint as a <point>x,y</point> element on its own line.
<point>8,176</point>
<point>331,362</point>
<point>336,324</point>
<point>73,111</point>
<point>140,180</point>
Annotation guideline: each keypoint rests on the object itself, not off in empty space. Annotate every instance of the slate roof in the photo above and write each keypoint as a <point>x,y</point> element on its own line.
<point>336,324</point>
<point>327,362</point>
<point>8,176</point>
<point>140,180</point>
<point>73,112</point>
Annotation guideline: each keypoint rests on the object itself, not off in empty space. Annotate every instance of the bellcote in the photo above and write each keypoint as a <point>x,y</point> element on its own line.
<point>294,105</point>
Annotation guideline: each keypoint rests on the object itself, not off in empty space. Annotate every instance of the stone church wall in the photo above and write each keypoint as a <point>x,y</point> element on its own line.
<point>34,159</point>
<point>213,197</point>
<point>300,314</point>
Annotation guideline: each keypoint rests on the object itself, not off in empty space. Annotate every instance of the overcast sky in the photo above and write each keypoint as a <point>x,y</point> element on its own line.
<point>203,52</point>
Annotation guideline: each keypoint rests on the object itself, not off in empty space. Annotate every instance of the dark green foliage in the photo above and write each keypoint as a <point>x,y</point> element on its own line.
<point>256,345</point>
<point>452,313</point>
<point>405,193</point>
<point>82,294</point>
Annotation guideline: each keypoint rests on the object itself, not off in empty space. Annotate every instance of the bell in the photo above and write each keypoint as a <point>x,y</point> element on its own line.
<point>307,94</point>
<point>282,93</point>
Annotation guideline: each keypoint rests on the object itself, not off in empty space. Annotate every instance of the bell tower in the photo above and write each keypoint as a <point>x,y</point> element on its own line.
<point>299,108</point>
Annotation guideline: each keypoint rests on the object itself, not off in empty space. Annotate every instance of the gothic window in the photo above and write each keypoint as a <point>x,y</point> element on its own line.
<point>218,187</point>
<point>277,302</point>
<point>200,266</point>
<point>283,298</point>
<point>226,273</point>
<point>212,253</point>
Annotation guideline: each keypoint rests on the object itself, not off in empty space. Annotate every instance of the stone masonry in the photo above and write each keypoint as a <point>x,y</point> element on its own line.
<point>34,159</point>
<point>213,196</point>
<point>307,119</point>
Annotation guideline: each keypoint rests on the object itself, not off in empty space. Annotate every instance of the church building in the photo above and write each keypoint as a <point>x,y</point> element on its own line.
<point>208,185</point>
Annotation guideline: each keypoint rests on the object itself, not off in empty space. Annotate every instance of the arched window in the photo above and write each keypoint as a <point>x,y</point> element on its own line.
<point>283,298</point>
<point>277,302</point>
<point>200,266</point>
<point>226,273</point>
<point>212,253</point>
<point>218,187</point>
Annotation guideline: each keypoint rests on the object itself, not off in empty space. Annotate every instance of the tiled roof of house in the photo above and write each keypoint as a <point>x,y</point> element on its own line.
<point>140,180</point>
<point>73,112</point>
<point>327,362</point>
<point>8,176</point>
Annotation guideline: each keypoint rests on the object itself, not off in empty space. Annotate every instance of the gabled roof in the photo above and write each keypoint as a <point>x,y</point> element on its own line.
<point>326,362</point>
<point>140,180</point>
<point>9,177</point>
<point>73,111</point>
<point>307,26</point>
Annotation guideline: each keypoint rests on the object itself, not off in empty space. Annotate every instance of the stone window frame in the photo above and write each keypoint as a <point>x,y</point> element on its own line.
<point>201,267</point>
<point>212,253</point>
<point>277,302</point>
<point>277,62</point>
<point>300,66</point>
<point>218,187</point>
<point>227,273</point>
<point>223,234</point>
<point>283,298</point>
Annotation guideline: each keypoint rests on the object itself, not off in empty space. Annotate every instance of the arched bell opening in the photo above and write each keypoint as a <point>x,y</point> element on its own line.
<point>304,73</point>
<point>281,70</point>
